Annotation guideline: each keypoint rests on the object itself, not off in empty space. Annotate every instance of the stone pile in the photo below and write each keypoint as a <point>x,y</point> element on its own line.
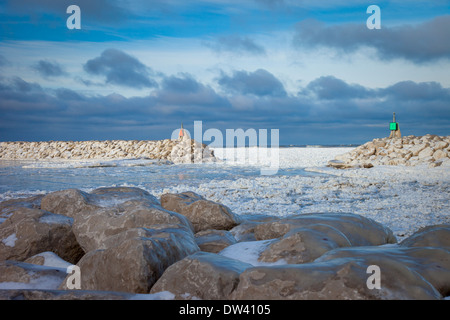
<point>126,242</point>
<point>428,150</point>
<point>178,151</point>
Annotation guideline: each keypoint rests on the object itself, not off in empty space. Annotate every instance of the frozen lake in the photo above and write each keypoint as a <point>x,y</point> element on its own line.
<point>402,198</point>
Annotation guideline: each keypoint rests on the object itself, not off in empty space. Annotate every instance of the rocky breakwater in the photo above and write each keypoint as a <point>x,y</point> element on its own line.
<point>430,150</point>
<point>178,151</point>
<point>129,244</point>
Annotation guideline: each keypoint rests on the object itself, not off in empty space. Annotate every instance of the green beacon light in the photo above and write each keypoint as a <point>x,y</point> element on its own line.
<point>393,126</point>
<point>395,129</point>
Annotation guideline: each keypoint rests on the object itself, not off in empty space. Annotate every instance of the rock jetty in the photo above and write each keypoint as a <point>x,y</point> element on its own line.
<point>183,150</point>
<point>128,244</point>
<point>430,150</point>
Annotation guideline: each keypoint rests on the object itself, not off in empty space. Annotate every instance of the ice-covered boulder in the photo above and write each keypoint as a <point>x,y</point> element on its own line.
<point>31,231</point>
<point>135,259</point>
<point>8,207</point>
<point>303,245</point>
<point>68,202</point>
<point>343,278</point>
<point>432,264</point>
<point>437,236</point>
<point>358,230</point>
<point>108,211</point>
<point>203,214</point>
<point>214,240</point>
<point>202,275</point>
<point>21,275</point>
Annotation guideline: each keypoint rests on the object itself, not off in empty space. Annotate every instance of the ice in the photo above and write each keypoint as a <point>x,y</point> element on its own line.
<point>40,277</point>
<point>402,198</point>
<point>94,163</point>
<point>163,295</point>
<point>10,241</point>
<point>53,260</point>
<point>288,157</point>
<point>51,218</point>
<point>249,251</point>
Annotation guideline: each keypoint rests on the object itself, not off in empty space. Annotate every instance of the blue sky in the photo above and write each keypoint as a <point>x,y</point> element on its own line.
<point>136,69</point>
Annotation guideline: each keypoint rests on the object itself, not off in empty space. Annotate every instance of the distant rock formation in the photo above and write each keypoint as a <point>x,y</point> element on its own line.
<point>429,149</point>
<point>184,150</point>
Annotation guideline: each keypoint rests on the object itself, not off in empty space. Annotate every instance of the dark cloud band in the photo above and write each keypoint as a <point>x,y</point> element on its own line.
<point>424,42</point>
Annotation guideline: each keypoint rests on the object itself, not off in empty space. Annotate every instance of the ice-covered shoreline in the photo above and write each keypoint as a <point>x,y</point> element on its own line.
<point>404,198</point>
<point>345,209</point>
<point>401,197</point>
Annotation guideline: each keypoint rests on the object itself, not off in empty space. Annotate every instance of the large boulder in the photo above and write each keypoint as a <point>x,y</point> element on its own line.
<point>358,230</point>
<point>203,214</point>
<point>202,275</point>
<point>305,237</point>
<point>245,231</point>
<point>344,273</point>
<point>42,294</point>
<point>431,236</point>
<point>68,202</point>
<point>304,244</point>
<point>73,202</point>
<point>134,259</point>
<point>92,230</point>
<point>31,231</point>
<point>214,240</point>
<point>21,275</point>
<point>8,207</point>
<point>432,264</point>
<point>108,211</point>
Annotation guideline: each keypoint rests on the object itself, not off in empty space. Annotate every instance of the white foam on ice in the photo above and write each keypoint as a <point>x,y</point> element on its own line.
<point>10,241</point>
<point>249,252</point>
<point>51,259</point>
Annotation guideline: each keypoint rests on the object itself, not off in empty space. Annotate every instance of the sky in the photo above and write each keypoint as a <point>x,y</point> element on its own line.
<point>136,69</point>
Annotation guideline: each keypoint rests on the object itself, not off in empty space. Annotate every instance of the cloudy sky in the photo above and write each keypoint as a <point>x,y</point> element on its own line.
<point>136,69</point>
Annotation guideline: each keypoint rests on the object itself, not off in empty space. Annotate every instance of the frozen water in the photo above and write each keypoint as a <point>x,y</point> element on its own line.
<point>402,198</point>
<point>10,241</point>
<point>249,252</point>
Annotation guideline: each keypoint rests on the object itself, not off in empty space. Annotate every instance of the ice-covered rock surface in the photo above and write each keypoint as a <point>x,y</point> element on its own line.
<point>431,150</point>
<point>180,151</point>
